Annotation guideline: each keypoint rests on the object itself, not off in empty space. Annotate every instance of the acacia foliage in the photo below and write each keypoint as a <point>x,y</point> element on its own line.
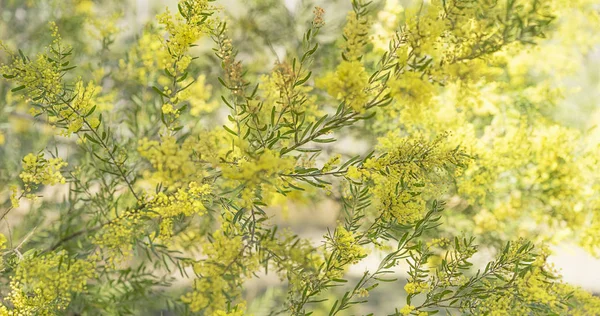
<point>178,165</point>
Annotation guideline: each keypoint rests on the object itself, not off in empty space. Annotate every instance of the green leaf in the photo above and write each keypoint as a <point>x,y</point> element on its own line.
<point>19,88</point>
<point>309,53</point>
<point>230,131</point>
<point>326,140</point>
<point>386,280</point>
<point>91,139</point>
<point>22,56</point>
<point>157,90</point>
<point>303,80</point>
<point>91,111</point>
<point>339,280</point>
<point>223,83</point>
<point>69,68</point>
<point>180,79</point>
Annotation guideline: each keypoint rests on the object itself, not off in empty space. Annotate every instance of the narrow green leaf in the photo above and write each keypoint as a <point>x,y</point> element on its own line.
<point>19,88</point>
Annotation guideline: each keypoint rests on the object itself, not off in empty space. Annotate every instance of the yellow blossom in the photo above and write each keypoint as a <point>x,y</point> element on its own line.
<point>330,164</point>
<point>415,287</point>
<point>173,164</point>
<point>37,170</point>
<point>349,83</point>
<point>185,30</point>
<point>225,256</point>
<point>354,173</point>
<point>411,88</point>
<point>167,109</point>
<point>186,202</point>
<point>407,309</point>
<point>116,238</point>
<point>349,250</point>
<point>14,199</point>
<point>356,35</point>
<point>199,96</point>
<point>78,112</point>
<point>45,285</point>
<point>36,76</point>
<point>3,241</point>
<point>103,28</point>
<point>252,172</point>
<point>238,310</point>
<point>408,172</point>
